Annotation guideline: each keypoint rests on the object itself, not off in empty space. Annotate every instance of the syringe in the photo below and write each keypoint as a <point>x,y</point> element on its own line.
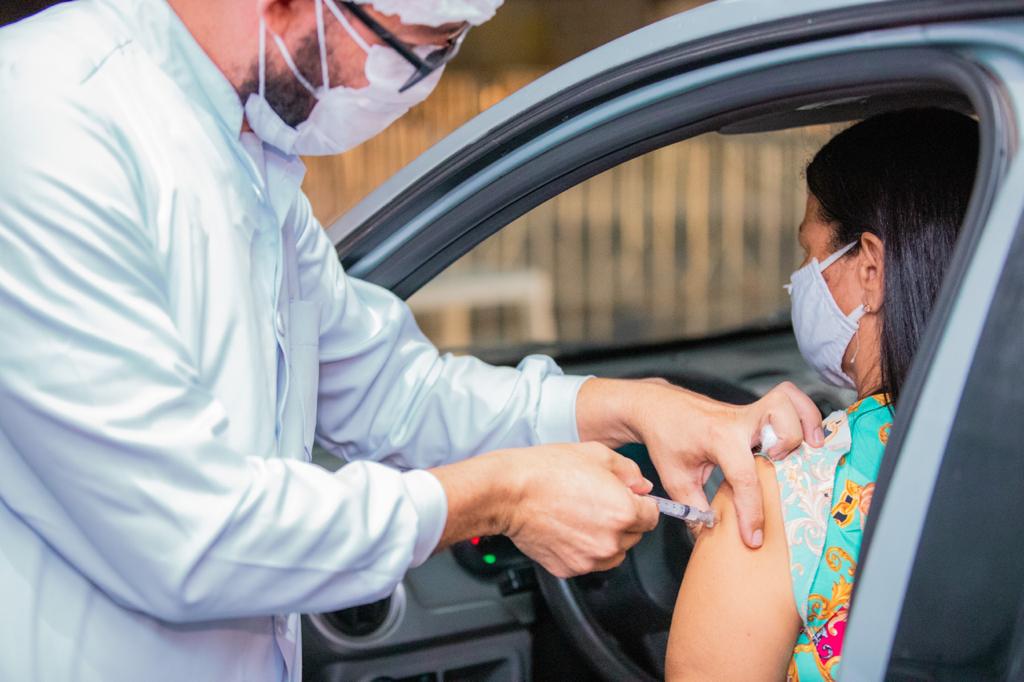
<point>684,511</point>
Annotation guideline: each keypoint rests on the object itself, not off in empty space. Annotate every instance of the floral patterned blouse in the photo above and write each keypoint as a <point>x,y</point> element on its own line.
<point>826,493</point>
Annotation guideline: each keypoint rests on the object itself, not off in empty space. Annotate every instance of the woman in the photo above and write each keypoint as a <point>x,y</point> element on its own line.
<point>885,201</point>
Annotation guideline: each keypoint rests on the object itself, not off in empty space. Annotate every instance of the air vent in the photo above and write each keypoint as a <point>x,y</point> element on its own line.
<point>362,627</point>
<point>360,621</point>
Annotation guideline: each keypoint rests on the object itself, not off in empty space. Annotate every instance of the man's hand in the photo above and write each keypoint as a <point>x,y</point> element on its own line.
<point>573,508</point>
<point>688,434</point>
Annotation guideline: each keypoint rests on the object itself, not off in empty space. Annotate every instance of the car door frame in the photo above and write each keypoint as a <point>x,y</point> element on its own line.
<point>924,424</point>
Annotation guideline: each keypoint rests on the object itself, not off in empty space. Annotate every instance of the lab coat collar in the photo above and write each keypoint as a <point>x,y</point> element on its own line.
<point>155,26</point>
<point>282,173</point>
<point>159,31</point>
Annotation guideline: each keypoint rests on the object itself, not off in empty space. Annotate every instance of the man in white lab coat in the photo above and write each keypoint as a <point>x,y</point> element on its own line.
<point>177,328</point>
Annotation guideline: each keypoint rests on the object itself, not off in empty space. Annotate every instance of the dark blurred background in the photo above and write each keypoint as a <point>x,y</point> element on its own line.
<point>12,10</point>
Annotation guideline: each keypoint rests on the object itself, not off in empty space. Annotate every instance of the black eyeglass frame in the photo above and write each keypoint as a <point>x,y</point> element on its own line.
<point>424,65</point>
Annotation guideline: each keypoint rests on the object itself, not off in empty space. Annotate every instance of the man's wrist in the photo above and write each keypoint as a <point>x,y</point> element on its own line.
<point>482,493</point>
<point>648,402</point>
<point>607,411</point>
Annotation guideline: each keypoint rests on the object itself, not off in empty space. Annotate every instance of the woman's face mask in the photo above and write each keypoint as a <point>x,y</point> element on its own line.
<point>822,330</point>
<point>342,117</point>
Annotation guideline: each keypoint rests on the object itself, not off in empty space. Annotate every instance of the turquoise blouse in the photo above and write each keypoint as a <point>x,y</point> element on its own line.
<point>826,493</point>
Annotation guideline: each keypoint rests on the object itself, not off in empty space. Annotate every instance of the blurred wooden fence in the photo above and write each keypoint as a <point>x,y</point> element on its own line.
<point>335,184</point>
<point>690,239</point>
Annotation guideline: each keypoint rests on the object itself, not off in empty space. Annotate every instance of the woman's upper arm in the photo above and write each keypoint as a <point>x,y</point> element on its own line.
<point>735,618</point>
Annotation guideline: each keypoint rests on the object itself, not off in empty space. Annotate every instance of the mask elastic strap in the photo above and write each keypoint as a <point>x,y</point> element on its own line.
<point>349,28</point>
<point>291,64</point>
<point>836,256</point>
<point>325,78</point>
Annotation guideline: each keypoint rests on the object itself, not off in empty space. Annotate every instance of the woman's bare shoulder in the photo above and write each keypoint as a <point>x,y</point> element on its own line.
<point>735,617</point>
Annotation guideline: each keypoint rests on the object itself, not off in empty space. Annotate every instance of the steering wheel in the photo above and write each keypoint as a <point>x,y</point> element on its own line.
<point>619,619</point>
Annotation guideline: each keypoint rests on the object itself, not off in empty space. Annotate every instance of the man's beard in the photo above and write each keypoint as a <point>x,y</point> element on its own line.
<point>285,94</point>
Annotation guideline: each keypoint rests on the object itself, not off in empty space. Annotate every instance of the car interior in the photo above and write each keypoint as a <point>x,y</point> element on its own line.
<point>717,323</point>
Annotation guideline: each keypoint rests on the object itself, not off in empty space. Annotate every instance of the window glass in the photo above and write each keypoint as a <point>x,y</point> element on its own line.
<point>693,239</point>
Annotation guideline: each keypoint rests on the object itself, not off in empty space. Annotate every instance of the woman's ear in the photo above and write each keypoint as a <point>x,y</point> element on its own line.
<point>871,270</point>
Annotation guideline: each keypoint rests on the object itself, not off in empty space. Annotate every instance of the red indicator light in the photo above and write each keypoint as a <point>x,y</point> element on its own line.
<point>475,541</point>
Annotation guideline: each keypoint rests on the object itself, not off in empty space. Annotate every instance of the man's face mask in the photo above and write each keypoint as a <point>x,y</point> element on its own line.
<point>342,117</point>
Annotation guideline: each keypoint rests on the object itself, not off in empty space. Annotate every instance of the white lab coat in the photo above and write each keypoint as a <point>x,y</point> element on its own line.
<point>162,356</point>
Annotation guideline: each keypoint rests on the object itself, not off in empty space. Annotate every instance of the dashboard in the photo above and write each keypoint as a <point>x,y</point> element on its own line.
<point>449,619</point>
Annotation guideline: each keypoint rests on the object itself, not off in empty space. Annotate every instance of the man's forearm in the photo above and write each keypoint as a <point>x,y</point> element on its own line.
<point>619,411</point>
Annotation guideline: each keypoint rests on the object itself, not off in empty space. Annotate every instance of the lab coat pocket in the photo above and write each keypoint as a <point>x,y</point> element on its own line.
<point>304,335</point>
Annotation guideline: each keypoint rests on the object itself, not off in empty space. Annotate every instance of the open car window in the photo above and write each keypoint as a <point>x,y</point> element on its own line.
<point>692,239</point>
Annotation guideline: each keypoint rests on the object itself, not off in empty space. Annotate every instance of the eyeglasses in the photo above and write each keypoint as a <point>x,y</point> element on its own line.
<point>424,66</point>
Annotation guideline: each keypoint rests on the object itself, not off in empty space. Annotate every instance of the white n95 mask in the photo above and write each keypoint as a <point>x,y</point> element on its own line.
<point>342,117</point>
<point>822,330</point>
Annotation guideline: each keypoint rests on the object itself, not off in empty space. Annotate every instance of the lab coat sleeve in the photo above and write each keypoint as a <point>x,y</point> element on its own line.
<point>386,393</point>
<point>111,447</point>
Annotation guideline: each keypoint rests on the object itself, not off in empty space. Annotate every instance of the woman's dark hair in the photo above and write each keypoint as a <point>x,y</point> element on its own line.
<point>906,177</point>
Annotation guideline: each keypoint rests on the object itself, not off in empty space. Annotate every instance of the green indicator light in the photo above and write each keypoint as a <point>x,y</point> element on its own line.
<point>489,559</point>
